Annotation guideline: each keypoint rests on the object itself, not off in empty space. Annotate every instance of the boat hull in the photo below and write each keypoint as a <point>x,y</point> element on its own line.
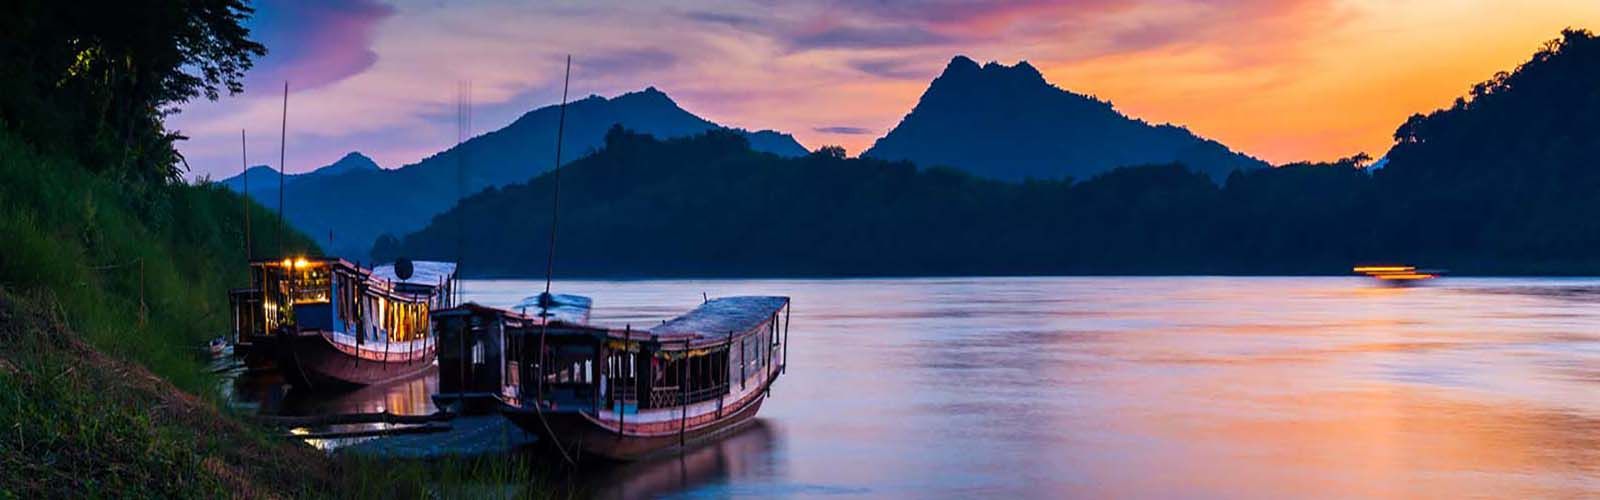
<point>258,353</point>
<point>583,435</point>
<point>312,360</point>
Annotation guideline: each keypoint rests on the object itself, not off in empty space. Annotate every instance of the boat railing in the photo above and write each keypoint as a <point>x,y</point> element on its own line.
<point>625,393</point>
<point>661,397</point>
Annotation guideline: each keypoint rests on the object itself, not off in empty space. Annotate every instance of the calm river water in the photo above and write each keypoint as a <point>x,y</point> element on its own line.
<point>1144,387</point>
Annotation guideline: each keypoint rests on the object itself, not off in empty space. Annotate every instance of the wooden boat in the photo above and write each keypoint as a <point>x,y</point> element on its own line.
<point>329,323</point>
<point>471,340</point>
<point>622,394</point>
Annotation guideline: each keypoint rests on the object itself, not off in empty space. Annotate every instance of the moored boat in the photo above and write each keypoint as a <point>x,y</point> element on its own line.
<point>624,394</point>
<point>329,323</point>
<point>471,340</point>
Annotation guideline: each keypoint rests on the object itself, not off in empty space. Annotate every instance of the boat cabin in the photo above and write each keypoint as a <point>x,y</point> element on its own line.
<point>617,393</point>
<point>336,296</point>
<point>472,346</point>
<point>627,393</point>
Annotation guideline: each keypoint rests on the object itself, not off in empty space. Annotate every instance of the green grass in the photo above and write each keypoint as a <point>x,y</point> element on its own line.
<point>78,423</point>
<point>108,292</point>
<point>141,272</point>
<point>481,477</point>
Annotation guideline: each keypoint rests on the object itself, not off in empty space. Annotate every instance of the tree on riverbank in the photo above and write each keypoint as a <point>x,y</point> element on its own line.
<point>114,273</point>
<point>94,79</point>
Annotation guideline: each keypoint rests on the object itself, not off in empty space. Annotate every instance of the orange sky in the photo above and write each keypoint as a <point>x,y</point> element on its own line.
<point>1284,80</point>
<point>1331,93</point>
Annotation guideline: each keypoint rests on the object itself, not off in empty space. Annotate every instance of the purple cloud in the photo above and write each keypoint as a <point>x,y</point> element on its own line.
<point>312,44</point>
<point>627,61</point>
<point>843,130</point>
<point>898,69</point>
<point>731,20</point>
<point>850,37</point>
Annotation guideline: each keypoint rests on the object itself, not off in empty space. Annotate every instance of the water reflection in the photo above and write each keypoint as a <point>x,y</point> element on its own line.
<point>1138,387</point>
<point>266,392</point>
<point>745,454</point>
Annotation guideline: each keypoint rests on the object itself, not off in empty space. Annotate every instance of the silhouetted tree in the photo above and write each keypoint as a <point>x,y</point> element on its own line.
<point>95,78</point>
<point>831,151</point>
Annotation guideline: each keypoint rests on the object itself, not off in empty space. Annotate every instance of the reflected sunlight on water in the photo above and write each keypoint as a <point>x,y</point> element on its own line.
<point>1194,386</point>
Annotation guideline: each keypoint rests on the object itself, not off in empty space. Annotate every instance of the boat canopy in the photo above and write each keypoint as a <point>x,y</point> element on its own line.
<point>718,317</point>
<point>560,307</point>
<point>425,272</point>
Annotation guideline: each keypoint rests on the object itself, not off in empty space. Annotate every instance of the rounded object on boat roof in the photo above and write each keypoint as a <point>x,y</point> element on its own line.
<point>403,268</point>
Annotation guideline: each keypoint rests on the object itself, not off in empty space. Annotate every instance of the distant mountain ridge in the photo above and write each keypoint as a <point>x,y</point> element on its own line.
<point>1009,123</point>
<point>262,176</point>
<point>356,202</point>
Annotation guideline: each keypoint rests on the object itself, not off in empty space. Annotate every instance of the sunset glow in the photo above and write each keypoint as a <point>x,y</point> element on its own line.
<point>1284,81</point>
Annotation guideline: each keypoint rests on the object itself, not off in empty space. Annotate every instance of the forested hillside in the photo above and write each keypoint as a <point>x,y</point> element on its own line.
<point>1501,182</point>
<point>709,206</point>
<point>357,207</point>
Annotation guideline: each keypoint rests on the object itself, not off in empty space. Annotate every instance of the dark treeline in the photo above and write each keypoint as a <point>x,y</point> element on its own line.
<point>1502,182</point>
<point>708,206</point>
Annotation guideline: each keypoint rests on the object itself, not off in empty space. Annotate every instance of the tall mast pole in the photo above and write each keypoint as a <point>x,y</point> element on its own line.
<point>244,197</point>
<point>283,140</point>
<point>555,198</point>
<point>545,300</point>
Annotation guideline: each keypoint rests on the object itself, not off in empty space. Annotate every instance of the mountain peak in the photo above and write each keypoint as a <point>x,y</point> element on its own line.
<point>351,162</point>
<point>1024,69</point>
<point>1009,123</point>
<point>964,74</point>
<point>649,95</point>
<point>356,159</point>
<point>961,64</point>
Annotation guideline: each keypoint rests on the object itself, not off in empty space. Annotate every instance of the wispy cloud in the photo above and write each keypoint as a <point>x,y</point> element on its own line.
<point>897,68</point>
<point>856,37</point>
<point>844,130</point>
<point>1283,79</point>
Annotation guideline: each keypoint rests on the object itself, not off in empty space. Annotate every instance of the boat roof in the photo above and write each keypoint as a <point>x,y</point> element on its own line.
<point>424,272</point>
<point>572,310</point>
<point>708,324</point>
<point>717,317</point>
<point>564,307</point>
<point>308,258</point>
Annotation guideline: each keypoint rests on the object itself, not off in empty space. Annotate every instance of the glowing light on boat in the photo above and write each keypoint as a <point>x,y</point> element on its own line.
<point>1392,273</point>
<point>1383,269</point>
<point>301,263</point>
<point>1404,276</point>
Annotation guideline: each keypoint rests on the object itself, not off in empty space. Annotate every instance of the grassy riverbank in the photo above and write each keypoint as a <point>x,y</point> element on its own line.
<point>140,270</point>
<point>109,289</point>
<point>79,422</point>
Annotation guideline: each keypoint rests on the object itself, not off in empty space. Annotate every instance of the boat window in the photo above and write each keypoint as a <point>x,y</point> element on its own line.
<point>702,375</point>
<point>571,364</point>
<point>311,284</point>
<point>622,377</point>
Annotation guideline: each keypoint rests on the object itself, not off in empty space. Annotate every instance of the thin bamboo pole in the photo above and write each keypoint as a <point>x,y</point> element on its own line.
<point>683,401</point>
